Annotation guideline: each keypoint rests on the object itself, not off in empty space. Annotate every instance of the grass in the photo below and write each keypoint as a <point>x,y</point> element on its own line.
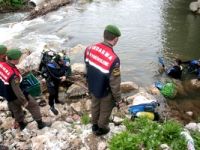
<point>149,135</point>
<point>85,119</point>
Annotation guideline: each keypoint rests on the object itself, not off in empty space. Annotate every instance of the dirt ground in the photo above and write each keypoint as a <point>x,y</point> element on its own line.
<point>180,108</point>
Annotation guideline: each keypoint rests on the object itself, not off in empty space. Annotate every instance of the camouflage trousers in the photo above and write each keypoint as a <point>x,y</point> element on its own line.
<point>17,110</point>
<point>101,110</point>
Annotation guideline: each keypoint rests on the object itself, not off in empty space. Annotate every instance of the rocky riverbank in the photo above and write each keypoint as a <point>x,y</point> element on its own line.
<point>71,129</point>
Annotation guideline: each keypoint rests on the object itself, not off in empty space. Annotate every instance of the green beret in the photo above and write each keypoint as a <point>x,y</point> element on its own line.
<point>113,29</point>
<point>14,54</point>
<point>3,49</point>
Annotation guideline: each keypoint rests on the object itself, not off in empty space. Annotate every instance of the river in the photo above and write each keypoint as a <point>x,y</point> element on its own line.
<point>150,28</point>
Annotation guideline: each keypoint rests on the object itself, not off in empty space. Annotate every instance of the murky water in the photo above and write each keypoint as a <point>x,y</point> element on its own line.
<point>150,28</point>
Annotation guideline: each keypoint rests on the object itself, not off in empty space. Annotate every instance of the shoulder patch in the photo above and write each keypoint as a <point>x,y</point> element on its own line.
<point>116,72</point>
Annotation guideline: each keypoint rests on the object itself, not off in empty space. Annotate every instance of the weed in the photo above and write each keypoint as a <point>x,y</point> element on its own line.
<point>85,119</point>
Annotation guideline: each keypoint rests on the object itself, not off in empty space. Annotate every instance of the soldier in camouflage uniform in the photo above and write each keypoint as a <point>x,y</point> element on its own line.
<point>10,79</point>
<point>103,77</point>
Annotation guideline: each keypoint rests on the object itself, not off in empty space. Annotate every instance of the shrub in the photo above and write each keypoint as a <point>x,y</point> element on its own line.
<point>146,134</point>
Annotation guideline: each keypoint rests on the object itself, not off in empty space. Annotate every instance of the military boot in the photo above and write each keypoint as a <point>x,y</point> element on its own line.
<point>54,110</point>
<point>102,131</point>
<point>42,124</point>
<point>22,125</point>
<point>95,128</point>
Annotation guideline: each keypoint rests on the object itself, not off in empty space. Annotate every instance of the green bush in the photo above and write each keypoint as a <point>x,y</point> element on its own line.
<point>146,134</point>
<point>12,3</point>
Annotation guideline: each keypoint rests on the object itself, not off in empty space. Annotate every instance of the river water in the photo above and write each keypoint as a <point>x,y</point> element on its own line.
<point>150,28</point>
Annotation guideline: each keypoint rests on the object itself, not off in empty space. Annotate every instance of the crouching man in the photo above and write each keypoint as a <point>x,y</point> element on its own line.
<point>10,79</point>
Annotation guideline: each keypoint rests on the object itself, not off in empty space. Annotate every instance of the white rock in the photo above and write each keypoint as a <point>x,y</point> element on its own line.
<point>189,113</point>
<point>117,120</point>
<point>31,62</point>
<point>7,123</point>
<point>76,90</point>
<point>3,106</point>
<point>194,6</point>
<point>102,145</point>
<point>69,120</point>
<point>88,104</point>
<point>192,126</point>
<point>59,125</point>
<point>76,106</point>
<point>78,68</point>
<point>165,147</point>
<point>195,83</point>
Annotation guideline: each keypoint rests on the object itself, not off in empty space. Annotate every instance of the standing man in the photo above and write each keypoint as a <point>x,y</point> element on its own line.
<point>57,72</point>
<point>10,79</point>
<point>103,77</point>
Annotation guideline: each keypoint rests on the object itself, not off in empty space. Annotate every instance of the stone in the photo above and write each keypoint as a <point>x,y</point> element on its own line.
<point>69,120</point>
<point>153,90</point>
<point>117,120</point>
<point>128,86</point>
<point>189,113</point>
<point>88,104</point>
<point>102,145</point>
<point>59,125</point>
<point>195,83</point>
<point>165,147</point>
<point>3,106</point>
<point>76,117</point>
<point>76,91</point>
<point>194,6</point>
<point>7,123</point>
<point>192,126</point>
<point>78,68</point>
<point>76,106</point>
<point>30,62</point>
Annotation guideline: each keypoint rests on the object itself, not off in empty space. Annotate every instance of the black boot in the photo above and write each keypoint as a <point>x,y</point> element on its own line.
<point>59,102</point>
<point>22,125</point>
<point>102,131</point>
<point>54,110</point>
<point>95,127</point>
<point>42,124</point>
